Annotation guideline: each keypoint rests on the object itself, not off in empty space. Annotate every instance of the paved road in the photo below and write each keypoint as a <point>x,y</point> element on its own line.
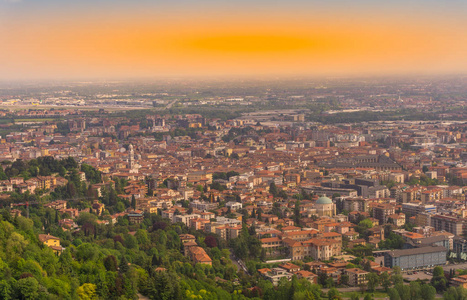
<point>239,263</point>
<point>235,262</point>
<point>346,289</point>
<point>461,266</point>
<point>357,289</point>
<point>169,106</point>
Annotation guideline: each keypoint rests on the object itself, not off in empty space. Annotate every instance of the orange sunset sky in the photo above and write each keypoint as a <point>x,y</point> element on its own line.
<point>129,39</point>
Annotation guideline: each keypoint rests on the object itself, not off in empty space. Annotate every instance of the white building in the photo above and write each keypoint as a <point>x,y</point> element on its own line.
<point>234,206</point>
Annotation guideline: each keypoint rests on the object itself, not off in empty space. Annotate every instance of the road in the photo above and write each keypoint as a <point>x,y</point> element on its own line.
<point>239,263</point>
<point>345,289</point>
<point>461,266</point>
<point>357,289</point>
<point>169,106</point>
<point>420,275</point>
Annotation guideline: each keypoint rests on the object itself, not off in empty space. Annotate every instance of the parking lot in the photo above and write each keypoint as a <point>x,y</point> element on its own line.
<point>460,266</point>
<point>419,275</point>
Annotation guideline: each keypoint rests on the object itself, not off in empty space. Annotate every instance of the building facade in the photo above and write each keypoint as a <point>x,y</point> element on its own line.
<point>417,258</point>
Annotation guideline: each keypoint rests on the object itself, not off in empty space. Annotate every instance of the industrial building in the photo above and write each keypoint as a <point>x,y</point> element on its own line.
<point>416,258</point>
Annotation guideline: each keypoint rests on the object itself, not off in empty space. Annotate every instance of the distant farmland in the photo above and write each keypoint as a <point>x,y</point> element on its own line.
<point>38,120</point>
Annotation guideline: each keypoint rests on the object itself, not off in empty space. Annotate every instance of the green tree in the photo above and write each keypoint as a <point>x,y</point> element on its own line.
<point>366,224</point>
<point>297,212</point>
<point>123,266</point>
<point>87,291</point>
<point>403,291</point>
<point>393,294</point>
<point>428,292</point>
<point>131,242</point>
<point>28,288</point>
<point>333,293</point>
<point>6,290</point>
<point>142,237</point>
<point>393,241</point>
<point>373,281</point>
<point>110,263</point>
<point>62,171</point>
<point>273,189</point>
<point>415,290</point>
<point>455,293</point>
<point>439,281</point>
<point>354,296</point>
<point>92,175</point>
<point>385,281</point>
<point>396,277</point>
<point>3,176</point>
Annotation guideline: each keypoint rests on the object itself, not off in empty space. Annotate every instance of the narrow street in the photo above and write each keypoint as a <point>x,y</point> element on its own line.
<point>239,263</point>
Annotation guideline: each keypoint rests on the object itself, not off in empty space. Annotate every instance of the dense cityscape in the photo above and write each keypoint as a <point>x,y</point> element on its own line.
<point>176,189</point>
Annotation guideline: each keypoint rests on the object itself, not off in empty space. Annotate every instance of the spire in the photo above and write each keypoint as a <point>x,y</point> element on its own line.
<point>131,157</point>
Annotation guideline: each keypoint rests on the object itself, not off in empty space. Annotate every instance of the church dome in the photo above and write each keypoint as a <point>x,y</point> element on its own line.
<point>324,200</point>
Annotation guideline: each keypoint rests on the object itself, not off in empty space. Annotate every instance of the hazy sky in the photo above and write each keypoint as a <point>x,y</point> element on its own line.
<point>61,39</point>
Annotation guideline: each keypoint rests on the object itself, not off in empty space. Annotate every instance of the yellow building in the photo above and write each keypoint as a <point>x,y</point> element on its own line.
<point>51,242</point>
<point>195,125</point>
<point>98,208</point>
<point>46,182</point>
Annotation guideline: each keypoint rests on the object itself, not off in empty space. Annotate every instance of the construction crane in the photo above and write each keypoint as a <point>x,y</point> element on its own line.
<point>76,199</point>
<point>27,203</point>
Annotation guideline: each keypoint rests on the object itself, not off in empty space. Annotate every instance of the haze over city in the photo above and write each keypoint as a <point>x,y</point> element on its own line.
<point>121,39</point>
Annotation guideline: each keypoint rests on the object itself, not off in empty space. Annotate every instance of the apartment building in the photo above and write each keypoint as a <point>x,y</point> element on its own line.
<point>413,209</point>
<point>357,276</point>
<point>382,212</point>
<point>452,224</point>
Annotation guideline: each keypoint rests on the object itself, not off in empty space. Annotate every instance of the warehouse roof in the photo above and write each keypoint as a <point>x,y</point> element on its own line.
<point>414,251</point>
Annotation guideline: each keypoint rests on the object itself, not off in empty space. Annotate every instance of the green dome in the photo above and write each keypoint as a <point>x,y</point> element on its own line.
<point>324,200</point>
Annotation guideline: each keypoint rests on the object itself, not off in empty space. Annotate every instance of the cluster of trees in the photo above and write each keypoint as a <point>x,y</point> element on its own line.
<point>224,175</point>
<point>303,195</point>
<point>106,262</point>
<point>76,188</point>
<point>371,116</point>
<point>455,293</point>
<point>393,241</point>
<point>413,291</point>
<point>63,128</point>
<point>48,166</point>
<point>275,192</point>
<point>423,180</point>
<point>294,289</point>
<point>42,166</point>
<point>247,245</point>
<point>237,132</point>
<point>193,133</point>
<point>439,280</point>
